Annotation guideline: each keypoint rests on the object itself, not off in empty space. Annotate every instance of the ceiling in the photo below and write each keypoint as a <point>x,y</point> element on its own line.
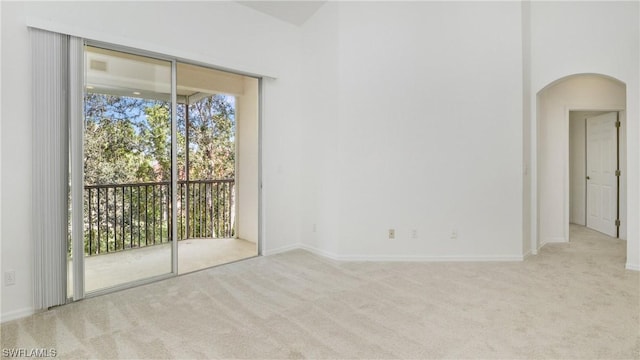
<point>293,12</point>
<point>121,74</point>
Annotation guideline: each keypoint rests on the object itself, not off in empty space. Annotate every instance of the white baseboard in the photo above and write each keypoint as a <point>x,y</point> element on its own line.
<point>426,258</point>
<point>552,240</point>
<point>399,258</point>
<point>281,249</point>
<point>320,252</point>
<point>17,314</point>
<point>631,266</point>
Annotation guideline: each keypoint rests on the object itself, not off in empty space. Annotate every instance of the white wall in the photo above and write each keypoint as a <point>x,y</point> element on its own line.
<point>247,156</point>
<point>17,255</point>
<point>528,198</point>
<point>384,115</point>
<point>423,131</point>
<point>320,127</point>
<point>280,172</point>
<point>589,37</point>
<point>216,33</point>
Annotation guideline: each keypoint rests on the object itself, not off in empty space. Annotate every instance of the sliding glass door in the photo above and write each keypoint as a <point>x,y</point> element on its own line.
<point>127,168</point>
<point>217,198</point>
<point>170,154</point>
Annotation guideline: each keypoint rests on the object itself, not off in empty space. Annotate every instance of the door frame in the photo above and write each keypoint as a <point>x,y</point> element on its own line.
<point>566,124</point>
<point>78,272</point>
<point>78,176</point>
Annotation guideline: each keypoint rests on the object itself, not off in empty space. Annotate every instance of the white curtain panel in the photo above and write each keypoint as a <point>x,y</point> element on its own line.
<point>50,179</point>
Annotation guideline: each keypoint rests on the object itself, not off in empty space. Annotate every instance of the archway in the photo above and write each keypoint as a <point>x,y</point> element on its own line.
<point>554,103</point>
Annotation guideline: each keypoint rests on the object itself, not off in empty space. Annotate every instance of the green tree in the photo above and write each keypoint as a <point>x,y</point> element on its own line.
<point>212,138</point>
<point>128,140</point>
<point>112,151</point>
<point>156,138</point>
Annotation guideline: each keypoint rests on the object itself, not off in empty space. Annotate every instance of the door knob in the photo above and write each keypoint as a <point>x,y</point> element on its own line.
<point>588,178</point>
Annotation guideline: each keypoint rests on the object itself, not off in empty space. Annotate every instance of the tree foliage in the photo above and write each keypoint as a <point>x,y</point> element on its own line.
<point>211,139</point>
<point>128,140</point>
<point>112,150</point>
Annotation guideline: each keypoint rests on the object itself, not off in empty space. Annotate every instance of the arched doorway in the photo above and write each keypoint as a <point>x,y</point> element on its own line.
<point>555,104</point>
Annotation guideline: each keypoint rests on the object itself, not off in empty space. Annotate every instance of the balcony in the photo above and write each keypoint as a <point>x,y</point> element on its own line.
<point>139,131</point>
<point>127,230</point>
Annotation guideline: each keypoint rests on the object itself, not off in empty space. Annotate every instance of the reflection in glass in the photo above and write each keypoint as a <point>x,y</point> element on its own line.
<point>127,168</point>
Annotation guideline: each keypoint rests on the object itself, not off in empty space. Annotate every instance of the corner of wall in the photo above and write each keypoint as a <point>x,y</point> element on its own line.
<point>633,267</point>
<point>526,128</point>
<point>17,314</point>
<point>281,249</point>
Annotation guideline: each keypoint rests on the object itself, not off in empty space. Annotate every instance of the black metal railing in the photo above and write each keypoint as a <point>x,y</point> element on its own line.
<point>210,210</point>
<point>127,216</point>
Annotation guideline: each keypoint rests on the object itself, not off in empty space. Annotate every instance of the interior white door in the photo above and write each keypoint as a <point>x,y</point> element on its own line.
<point>602,189</point>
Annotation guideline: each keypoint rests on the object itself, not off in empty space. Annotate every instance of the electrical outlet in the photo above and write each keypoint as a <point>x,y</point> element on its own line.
<point>9,277</point>
<point>314,228</point>
<point>414,234</point>
<point>454,234</point>
<point>392,233</point>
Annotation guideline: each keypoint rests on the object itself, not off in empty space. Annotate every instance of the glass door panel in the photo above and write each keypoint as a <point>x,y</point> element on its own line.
<point>127,168</point>
<point>217,196</point>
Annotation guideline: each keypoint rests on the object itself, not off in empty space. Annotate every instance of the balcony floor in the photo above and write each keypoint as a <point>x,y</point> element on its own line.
<point>104,271</point>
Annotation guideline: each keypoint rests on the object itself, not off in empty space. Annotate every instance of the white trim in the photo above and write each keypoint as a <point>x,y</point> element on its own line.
<point>193,57</point>
<point>281,249</point>
<point>421,258</point>
<point>323,253</point>
<point>553,240</point>
<point>395,258</point>
<point>633,267</point>
<point>17,314</point>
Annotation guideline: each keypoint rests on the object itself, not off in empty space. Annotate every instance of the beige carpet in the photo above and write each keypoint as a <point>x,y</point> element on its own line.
<point>572,301</point>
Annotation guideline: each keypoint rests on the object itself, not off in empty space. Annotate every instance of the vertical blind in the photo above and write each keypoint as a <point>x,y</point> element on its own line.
<point>50,180</point>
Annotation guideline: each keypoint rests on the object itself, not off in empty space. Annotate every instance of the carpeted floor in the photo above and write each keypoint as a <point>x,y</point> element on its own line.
<point>572,301</point>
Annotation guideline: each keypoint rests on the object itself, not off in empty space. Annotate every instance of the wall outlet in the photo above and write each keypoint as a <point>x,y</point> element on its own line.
<point>392,233</point>
<point>454,234</point>
<point>414,234</point>
<point>9,277</point>
<point>314,228</point>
